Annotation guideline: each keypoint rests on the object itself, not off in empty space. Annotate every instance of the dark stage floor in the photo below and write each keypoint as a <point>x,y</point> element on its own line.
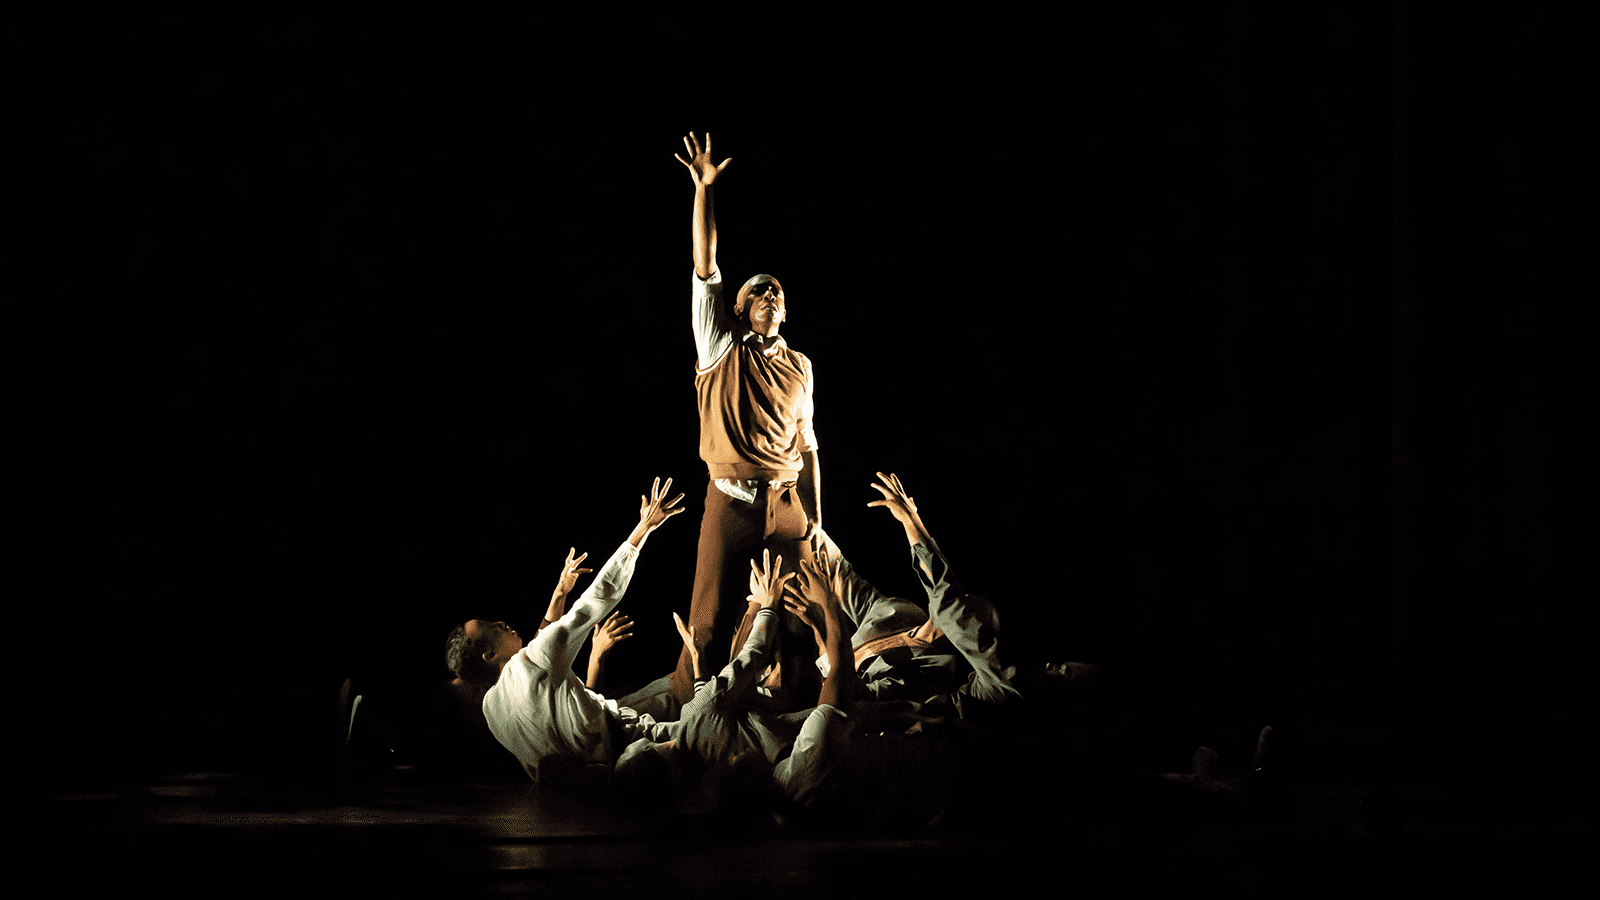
<point>391,830</point>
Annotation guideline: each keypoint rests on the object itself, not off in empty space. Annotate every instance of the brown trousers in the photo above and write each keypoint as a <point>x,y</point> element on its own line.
<point>730,533</point>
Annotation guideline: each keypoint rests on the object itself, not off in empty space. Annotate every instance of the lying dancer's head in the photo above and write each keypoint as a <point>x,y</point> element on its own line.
<point>478,649</point>
<point>760,303</point>
<point>740,785</point>
<point>644,773</point>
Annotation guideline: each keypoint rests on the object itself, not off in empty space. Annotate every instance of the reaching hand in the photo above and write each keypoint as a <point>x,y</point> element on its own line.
<point>901,506</point>
<point>899,503</point>
<point>687,632</point>
<point>809,611</point>
<point>690,643</point>
<point>615,629</point>
<point>818,586</point>
<point>570,572</point>
<point>699,162</point>
<point>654,510</point>
<point>766,584</point>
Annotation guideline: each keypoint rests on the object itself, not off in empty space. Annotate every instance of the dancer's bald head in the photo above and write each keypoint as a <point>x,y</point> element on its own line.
<point>742,301</point>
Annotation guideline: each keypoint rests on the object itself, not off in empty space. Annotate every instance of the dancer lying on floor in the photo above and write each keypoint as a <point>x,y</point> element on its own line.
<point>945,658</point>
<point>535,704</point>
<point>726,737</point>
<point>725,723</point>
<point>855,761</point>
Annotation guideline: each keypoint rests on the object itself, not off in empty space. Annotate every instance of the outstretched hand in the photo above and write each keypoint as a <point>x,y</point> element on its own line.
<point>818,586</point>
<point>901,505</point>
<point>691,643</point>
<point>614,630</point>
<point>654,510</point>
<point>701,169</point>
<point>568,579</point>
<point>766,583</point>
<point>687,633</point>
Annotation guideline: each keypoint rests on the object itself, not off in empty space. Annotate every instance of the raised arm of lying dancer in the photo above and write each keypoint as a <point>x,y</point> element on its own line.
<point>971,623</point>
<point>815,599</point>
<point>809,592</point>
<point>740,675</point>
<point>556,646</point>
<point>932,567</point>
<point>838,688</point>
<point>614,630</point>
<point>903,507</point>
<point>565,582</point>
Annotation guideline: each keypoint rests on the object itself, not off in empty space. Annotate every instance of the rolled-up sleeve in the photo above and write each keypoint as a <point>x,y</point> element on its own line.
<point>713,333</point>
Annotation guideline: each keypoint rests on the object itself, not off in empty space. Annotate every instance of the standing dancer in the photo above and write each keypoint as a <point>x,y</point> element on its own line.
<point>756,437</point>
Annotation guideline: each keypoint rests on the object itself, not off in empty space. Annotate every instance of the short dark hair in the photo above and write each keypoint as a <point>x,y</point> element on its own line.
<point>643,776</point>
<point>463,655</point>
<point>742,787</point>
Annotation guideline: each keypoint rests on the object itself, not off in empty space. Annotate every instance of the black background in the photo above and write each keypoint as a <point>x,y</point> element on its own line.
<point>1235,348</point>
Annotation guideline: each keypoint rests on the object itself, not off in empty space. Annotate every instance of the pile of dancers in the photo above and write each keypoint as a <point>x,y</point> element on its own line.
<point>816,696</point>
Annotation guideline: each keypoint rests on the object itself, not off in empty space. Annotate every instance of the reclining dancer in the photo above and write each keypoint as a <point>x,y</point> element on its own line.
<point>856,761</point>
<point>952,653</point>
<point>535,704</point>
<point>900,657</point>
<point>818,763</point>
<point>948,654</point>
<point>726,744</point>
<point>458,735</point>
<point>723,725</point>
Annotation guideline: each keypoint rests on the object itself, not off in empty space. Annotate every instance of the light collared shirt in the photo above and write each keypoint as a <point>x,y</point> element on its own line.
<point>539,706</point>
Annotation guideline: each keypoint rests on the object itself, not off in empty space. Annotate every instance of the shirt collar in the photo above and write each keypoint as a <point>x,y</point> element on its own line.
<point>751,337</point>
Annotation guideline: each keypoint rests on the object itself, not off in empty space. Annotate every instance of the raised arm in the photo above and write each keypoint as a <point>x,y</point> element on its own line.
<point>932,567</point>
<point>970,622</point>
<point>654,510</point>
<point>904,509</point>
<point>815,599</point>
<point>742,672</point>
<point>565,582</point>
<point>809,593</point>
<point>557,645</point>
<point>615,629</point>
<point>704,226</point>
<point>687,633</point>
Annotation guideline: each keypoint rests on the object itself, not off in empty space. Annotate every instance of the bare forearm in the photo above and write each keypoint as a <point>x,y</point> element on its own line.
<point>640,532</point>
<point>916,532</point>
<point>704,229</point>
<point>838,687</point>
<point>557,607</point>
<point>597,671</point>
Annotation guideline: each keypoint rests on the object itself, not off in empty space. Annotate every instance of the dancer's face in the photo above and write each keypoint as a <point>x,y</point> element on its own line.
<point>766,309</point>
<point>503,639</point>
